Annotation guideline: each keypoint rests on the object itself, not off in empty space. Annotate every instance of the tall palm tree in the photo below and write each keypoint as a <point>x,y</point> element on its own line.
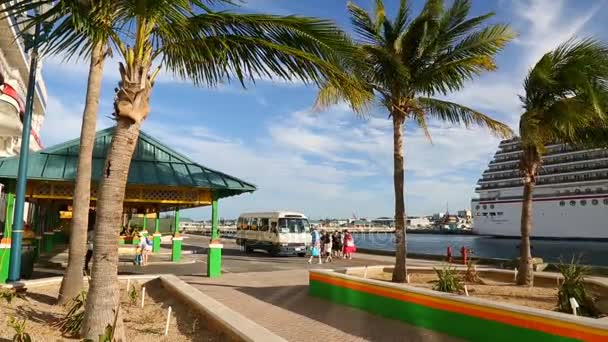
<point>565,101</point>
<point>405,61</point>
<point>196,43</point>
<point>80,29</point>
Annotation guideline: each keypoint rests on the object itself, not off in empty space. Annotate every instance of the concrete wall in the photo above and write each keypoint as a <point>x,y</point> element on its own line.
<point>470,318</point>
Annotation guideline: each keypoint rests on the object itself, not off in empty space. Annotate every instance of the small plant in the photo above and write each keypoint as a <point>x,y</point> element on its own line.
<point>448,281</point>
<point>133,294</point>
<point>195,324</point>
<point>471,276</point>
<point>573,286</point>
<point>72,321</point>
<point>9,294</point>
<point>19,326</point>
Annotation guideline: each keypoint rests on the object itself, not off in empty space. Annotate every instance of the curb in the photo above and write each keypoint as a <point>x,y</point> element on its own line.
<point>54,280</point>
<point>222,319</point>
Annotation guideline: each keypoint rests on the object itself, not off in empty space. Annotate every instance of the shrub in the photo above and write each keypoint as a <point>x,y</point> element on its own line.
<point>9,294</point>
<point>72,321</point>
<point>448,280</point>
<point>471,275</point>
<point>133,294</point>
<point>19,326</point>
<point>573,286</point>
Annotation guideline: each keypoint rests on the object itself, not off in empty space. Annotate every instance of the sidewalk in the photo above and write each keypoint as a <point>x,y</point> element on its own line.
<point>279,301</point>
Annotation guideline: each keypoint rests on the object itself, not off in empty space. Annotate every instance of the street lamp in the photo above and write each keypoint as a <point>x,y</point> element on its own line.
<point>31,42</point>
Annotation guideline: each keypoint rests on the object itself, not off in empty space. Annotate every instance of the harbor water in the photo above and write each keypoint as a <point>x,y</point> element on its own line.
<point>591,252</point>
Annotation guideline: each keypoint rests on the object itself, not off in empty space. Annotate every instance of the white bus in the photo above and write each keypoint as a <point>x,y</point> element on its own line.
<point>279,232</point>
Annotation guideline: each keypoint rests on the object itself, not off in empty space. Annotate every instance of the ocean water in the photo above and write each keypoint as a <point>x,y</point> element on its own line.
<point>591,252</point>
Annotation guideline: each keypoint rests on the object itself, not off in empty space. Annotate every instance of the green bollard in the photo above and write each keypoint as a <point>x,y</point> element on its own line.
<point>214,260</point>
<point>48,241</point>
<point>176,249</point>
<point>156,242</point>
<point>5,253</point>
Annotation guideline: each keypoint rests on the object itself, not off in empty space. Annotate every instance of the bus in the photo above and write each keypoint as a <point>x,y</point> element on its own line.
<point>278,233</point>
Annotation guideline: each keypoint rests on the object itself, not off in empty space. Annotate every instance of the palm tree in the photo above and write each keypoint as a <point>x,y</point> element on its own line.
<point>193,42</point>
<point>76,33</point>
<point>406,61</point>
<point>566,98</point>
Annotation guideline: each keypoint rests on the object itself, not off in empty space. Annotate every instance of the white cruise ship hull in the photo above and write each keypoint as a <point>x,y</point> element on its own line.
<point>570,198</point>
<point>550,219</point>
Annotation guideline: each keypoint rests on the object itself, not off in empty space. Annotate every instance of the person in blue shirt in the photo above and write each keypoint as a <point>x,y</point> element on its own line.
<point>315,245</point>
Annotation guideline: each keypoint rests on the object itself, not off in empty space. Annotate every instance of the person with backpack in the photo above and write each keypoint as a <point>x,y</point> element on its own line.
<point>145,247</point>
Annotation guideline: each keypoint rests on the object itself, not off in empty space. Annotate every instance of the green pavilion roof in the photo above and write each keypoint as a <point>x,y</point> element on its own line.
<point>153,164</point>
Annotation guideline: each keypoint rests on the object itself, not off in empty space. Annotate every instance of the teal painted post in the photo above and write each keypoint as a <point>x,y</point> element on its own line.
<point>214,257</point>
<point>157,235</point>
<point>176,246</point>
<point>14,271</point>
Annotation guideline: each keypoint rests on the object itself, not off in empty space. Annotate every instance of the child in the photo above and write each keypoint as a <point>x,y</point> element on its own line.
<point>138,257</point>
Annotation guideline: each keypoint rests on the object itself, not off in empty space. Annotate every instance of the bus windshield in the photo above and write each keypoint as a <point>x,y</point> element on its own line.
<point>293,225</point>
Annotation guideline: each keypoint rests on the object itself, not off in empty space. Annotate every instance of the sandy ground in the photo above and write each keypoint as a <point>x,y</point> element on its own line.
<point>536,297</point>
<point>141,324</point>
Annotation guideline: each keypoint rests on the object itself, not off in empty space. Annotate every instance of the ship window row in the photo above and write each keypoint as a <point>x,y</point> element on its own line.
<point>548,180</point>
<point>583,202</point>
<point>555,170</point>
<point>498,213</point>
<point>548,159</point>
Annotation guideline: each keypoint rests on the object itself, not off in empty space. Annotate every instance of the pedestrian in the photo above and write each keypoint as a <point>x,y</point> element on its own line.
<point>349,245</point>
<point>336,244</point>
<point>89,255</point>
<point>327,242</point>
<point>315,245</point>
<point>145,248</point>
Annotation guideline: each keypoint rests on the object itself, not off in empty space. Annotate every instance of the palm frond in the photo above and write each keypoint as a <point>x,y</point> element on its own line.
<point>566,95</point>
<point>458,114</point>
<point>363,25</point>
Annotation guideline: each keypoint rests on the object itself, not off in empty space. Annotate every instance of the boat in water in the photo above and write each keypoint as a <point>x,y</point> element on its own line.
<point>570,197</point>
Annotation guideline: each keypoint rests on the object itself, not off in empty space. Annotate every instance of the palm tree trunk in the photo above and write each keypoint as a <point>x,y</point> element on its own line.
<point>525,272</point>
<point>400,270</point>
<point>72,281</point>
<point>103,297</point>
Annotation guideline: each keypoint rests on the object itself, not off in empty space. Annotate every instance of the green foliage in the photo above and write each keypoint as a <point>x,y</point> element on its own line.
<point>9,294</point>
<point>19,326</point>
<point>405,61</point>
<point>72,321</point>
<point>448,280</point>
<point>471,275</point>
<point>133,294</point>
<point>573,286</point>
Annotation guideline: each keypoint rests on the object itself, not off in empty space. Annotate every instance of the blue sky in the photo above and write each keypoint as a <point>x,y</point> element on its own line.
<point>331,163</point>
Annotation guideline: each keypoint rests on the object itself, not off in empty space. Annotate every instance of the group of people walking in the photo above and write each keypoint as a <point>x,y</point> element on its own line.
<point>331,245</point>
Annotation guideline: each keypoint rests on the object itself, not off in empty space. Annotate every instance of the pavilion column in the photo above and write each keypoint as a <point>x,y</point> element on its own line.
<point>144,231</point>
<point>214,256</point>
<point>176,246</point>
<point>37,228</point>
<point>48,239</point>
<point>157,235</point>
<point>5,243</point>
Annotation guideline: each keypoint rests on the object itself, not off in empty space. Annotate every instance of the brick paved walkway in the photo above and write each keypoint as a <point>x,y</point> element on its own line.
<point>279,301</point>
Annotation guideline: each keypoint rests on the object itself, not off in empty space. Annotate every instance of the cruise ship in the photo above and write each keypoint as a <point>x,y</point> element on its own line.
<point>570,197</point>
<point>14,72</point>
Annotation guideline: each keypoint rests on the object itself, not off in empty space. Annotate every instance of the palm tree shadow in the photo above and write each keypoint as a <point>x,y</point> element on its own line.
<point>41,298</point>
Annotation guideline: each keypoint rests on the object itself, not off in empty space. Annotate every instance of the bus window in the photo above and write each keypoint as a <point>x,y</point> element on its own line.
<point>253,223</point>
<point>264,224</point>
<point>293,225</point>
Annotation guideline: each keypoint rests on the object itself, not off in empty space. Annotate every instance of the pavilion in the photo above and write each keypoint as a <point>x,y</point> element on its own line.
<point>160,179</point>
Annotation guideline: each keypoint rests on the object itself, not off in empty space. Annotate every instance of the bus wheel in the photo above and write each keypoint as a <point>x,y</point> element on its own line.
<point>274,252</point>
